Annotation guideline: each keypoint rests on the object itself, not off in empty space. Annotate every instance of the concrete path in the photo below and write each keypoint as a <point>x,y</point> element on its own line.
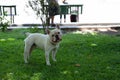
<point>105,28</point>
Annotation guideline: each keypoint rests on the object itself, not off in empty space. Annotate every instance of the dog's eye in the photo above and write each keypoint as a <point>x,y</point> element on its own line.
<point>53,35</point>
<point>58,32</point>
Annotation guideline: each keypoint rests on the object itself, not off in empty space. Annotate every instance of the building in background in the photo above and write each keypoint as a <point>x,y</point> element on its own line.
<point>94,11</point>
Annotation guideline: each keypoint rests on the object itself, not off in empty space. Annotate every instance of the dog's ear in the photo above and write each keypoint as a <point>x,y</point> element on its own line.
<point>58,26</point>
<point>47,31</point>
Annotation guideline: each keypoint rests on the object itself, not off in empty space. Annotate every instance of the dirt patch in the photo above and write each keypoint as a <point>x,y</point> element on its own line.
<point>102,30</point>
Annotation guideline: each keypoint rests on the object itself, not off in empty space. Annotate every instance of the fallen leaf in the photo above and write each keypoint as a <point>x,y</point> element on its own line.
<point>77,65</point>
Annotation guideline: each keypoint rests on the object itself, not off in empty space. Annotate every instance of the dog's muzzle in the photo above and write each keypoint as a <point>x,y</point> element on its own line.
<point>57,38</point>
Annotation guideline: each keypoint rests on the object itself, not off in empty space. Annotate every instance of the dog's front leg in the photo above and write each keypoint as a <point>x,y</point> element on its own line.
<point>47,58</point>
<point>54,54</point>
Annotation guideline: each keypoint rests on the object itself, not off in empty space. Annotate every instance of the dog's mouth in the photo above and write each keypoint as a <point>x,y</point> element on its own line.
<point>56,39</point>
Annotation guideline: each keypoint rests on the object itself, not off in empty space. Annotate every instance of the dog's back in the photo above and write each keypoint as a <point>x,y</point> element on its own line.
<point>36,38</point>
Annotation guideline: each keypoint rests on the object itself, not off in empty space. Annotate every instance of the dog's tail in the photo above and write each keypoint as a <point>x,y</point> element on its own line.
<point>27,33</point>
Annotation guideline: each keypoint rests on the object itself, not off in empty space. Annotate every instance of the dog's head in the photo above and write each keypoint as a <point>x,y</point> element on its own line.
<point>55,35</point>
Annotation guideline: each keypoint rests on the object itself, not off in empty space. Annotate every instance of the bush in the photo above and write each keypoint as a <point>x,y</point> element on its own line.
<point>34,29</point>
<point>4,23</point>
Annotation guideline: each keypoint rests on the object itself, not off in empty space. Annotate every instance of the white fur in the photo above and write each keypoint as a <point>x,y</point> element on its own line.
<point>41,41</point>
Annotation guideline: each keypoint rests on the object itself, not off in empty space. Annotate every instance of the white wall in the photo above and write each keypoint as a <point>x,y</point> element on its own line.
<point>101,11</point>
<point>24,15</point>
<point>94,11</point>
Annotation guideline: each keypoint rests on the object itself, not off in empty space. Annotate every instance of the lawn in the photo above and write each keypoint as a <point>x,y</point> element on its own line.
<point>80,57</point>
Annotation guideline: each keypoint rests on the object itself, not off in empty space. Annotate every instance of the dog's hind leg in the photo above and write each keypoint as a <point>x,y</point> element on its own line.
<point>27,51</point>
<point>31,49</point>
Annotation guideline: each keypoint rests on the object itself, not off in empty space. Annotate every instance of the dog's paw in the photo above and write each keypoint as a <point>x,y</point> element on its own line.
<point>54,60</point>
<point>48,64</point>
<point>26,62</point>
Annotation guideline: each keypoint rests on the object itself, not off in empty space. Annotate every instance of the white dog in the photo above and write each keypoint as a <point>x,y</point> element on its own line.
<point>49,43</point>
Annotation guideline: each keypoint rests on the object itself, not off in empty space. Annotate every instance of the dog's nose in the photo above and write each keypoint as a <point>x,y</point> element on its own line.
<point>58,38</point>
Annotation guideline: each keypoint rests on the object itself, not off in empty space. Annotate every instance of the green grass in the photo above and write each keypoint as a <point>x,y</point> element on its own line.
<point>80,57</point>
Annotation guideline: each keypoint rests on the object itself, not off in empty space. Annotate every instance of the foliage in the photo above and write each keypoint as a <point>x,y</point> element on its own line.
<point>38,7</point>
<point>34,29</point>
<point>80,57</point>
<point>4,23</point>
